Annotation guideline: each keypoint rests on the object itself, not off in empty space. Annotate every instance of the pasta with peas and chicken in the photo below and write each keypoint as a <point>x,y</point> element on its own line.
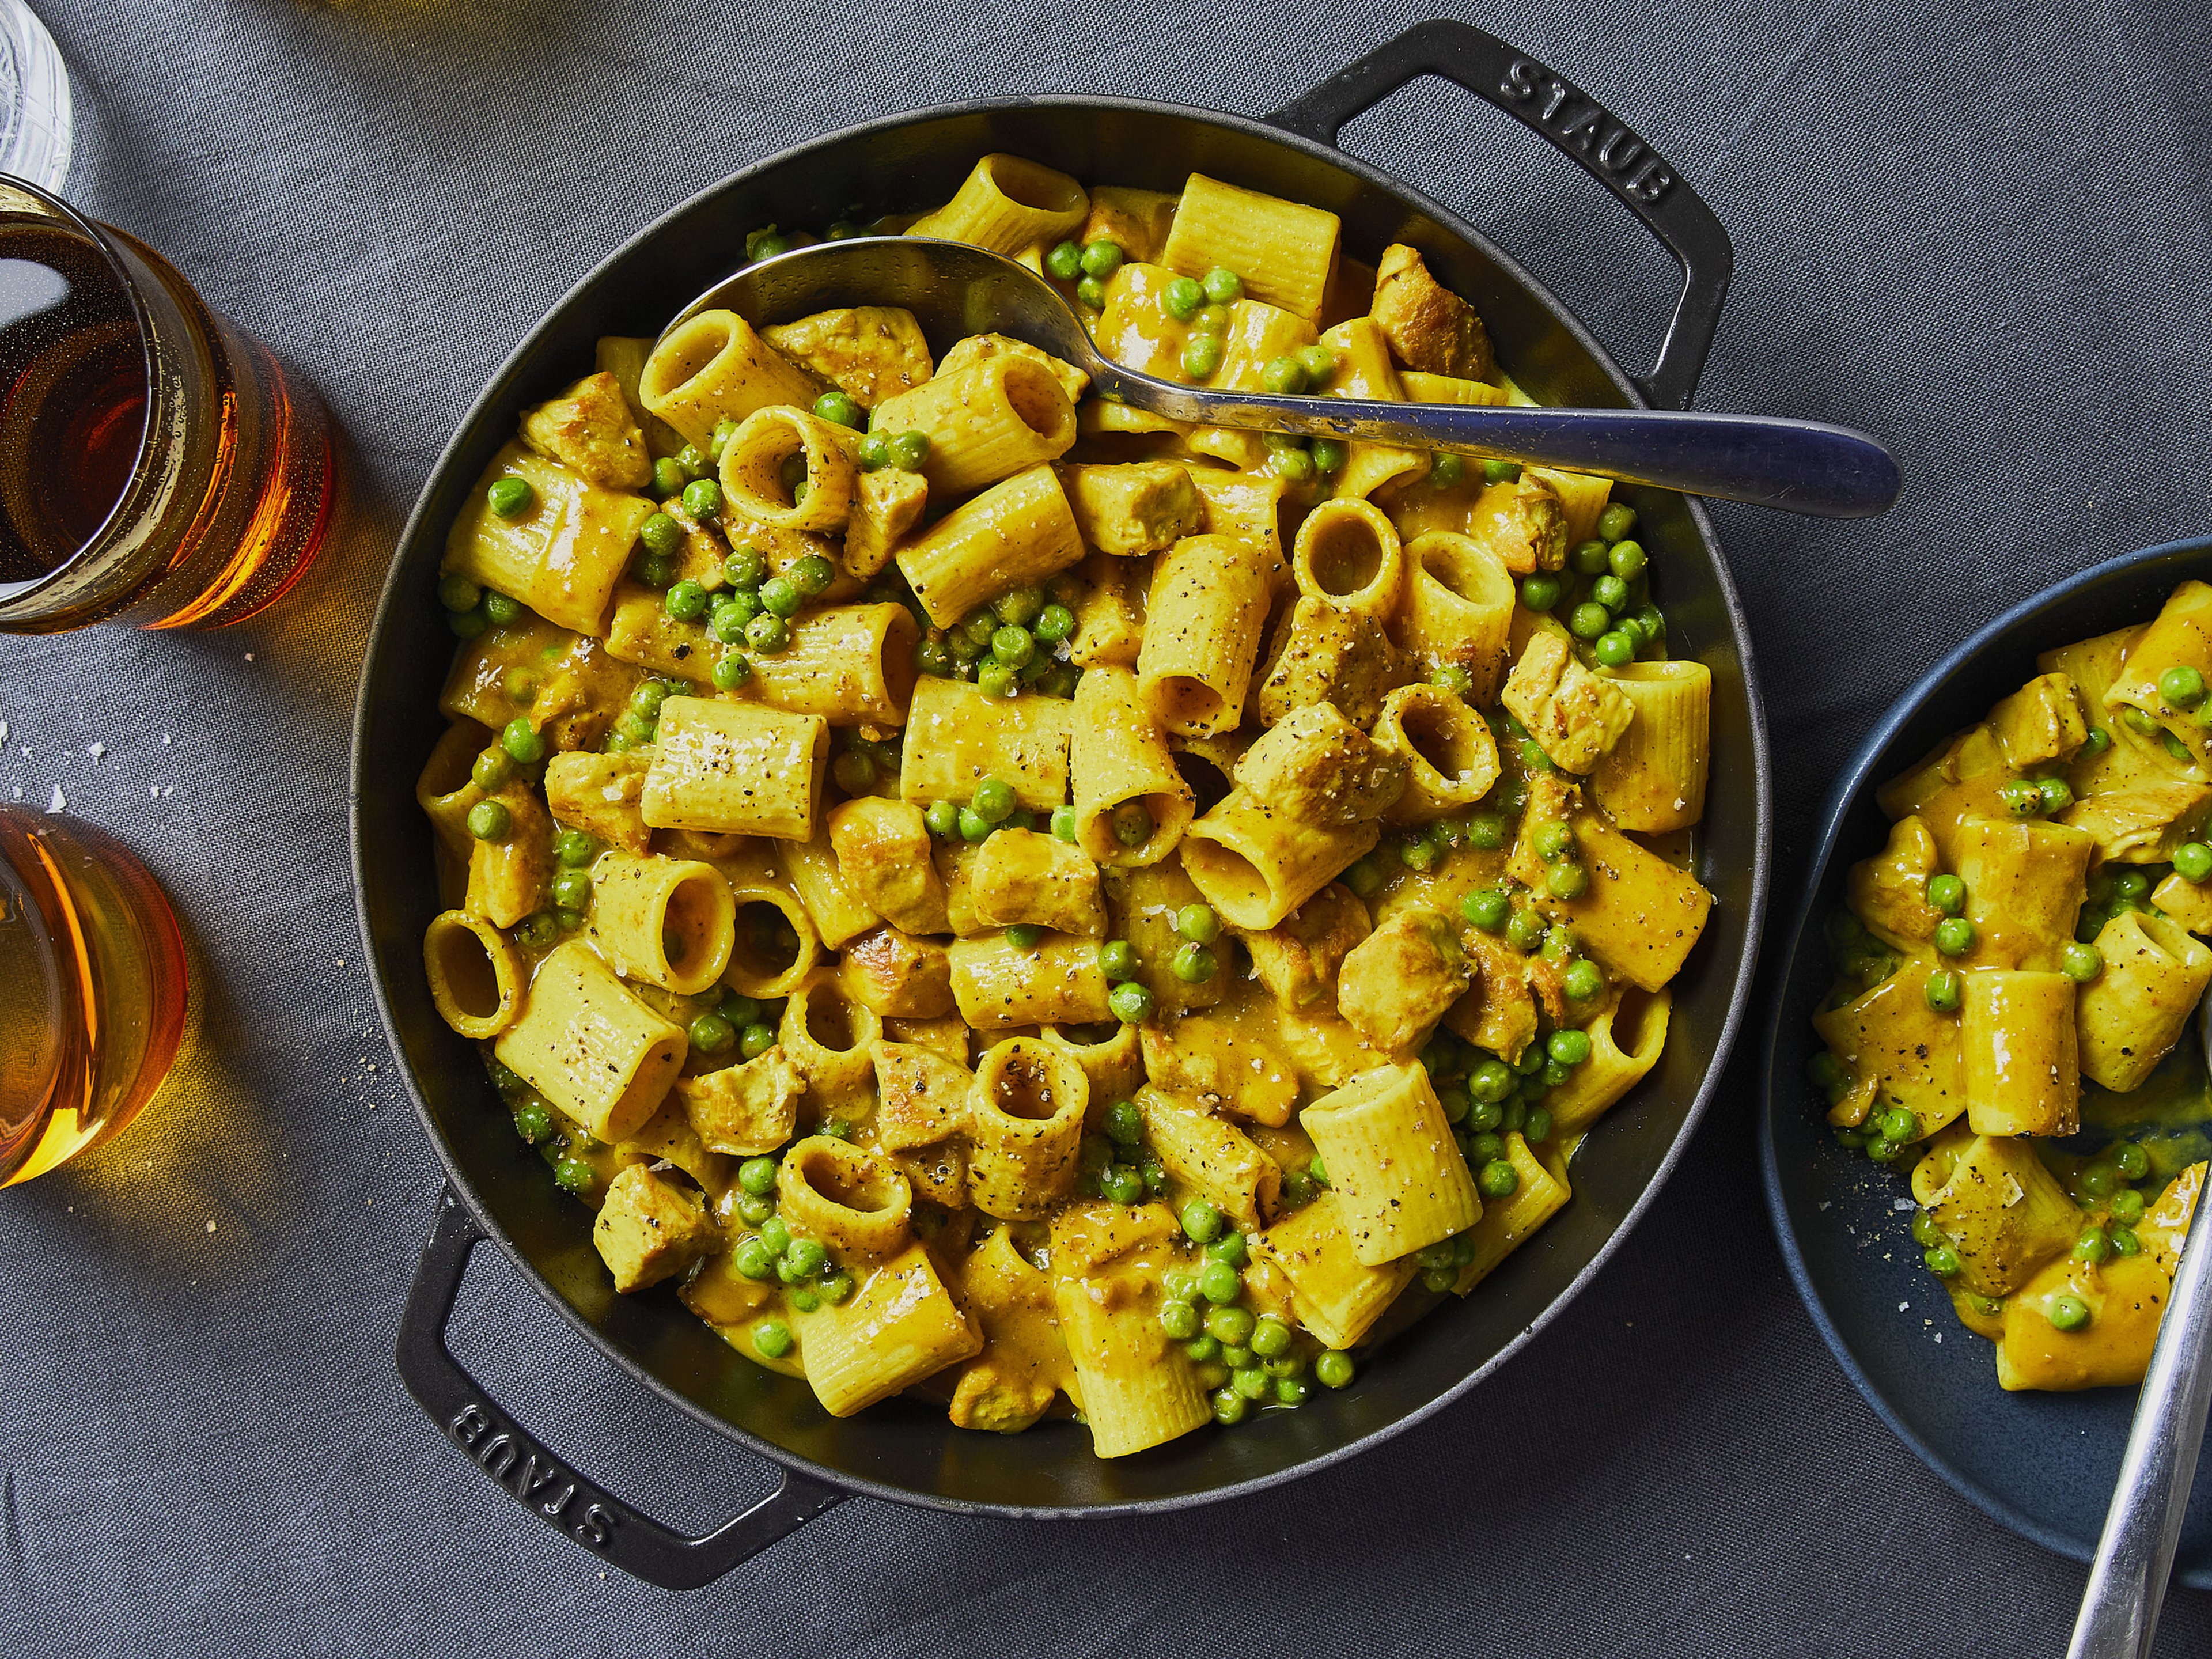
<point>2016,970</point>
<point>992,894</point>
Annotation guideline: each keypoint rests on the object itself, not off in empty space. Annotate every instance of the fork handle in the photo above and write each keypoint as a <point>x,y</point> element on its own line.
<point>2127,1581</point>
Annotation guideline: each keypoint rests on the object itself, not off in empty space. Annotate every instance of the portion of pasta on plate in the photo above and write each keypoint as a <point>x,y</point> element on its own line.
<point>2017,967</point>
<point>999,895</point>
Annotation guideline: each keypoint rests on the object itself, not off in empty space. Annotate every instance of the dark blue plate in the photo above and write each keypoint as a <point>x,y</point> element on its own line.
<point>2043,1464</point>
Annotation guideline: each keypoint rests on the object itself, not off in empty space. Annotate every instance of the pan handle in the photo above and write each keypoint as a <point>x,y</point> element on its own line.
<point>542,1483</point>
<point>1579,127</point>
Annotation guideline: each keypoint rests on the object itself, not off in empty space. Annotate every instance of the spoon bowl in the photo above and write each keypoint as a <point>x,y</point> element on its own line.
<point>955,289</point>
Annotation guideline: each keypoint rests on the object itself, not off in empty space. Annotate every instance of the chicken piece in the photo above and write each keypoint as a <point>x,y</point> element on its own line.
<point>896,973</point>
<point>1206,1060</point>
<point>1498,1012</point>
<point>598,793</point>
<point>1319,767</point>
<point>589,430</point>
<point>924,1095</point>
<point>1430,328</point>
<point>1135,221</point>
<point>2041,721</point>
<point>946,1036</point>
<point>1523,522</point>
<point>1010,1384</point>
<point>1889,892</point>
<point>1298,958</point>
<point>1398,981</point>
<point>744,1110</point>
<point>889,503</point>
<point>650,1228</point>
<point>1573,714</point>
<point>1324,654</point>
<point>978,348</point>
<point>584,689</point>
<point>508,877</point>
<point>1022,876</point>
<point>1144,507</point>
<point>871,352</point>
<point>2145,825</point>
<point>883,854</point>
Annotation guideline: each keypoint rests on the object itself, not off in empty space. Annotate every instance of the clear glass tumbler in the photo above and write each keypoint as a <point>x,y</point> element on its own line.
<point>36,133</point>
<point>94,988</point>
<point>157,466</point>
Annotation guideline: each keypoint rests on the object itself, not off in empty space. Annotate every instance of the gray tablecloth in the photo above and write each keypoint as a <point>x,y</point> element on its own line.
<point>1978,227</point>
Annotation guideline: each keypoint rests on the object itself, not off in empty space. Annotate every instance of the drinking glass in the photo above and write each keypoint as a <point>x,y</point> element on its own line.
<point>35,131</point>
<point>157,466</point>
<point>94,986</point>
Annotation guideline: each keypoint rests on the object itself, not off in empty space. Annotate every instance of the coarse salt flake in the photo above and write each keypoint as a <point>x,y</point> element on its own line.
<point>59,803</point>
<point>95,749</point>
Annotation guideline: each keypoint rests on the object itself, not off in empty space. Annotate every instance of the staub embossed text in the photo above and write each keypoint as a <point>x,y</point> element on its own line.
<point>1574,120</point>
<point>531,1473</point>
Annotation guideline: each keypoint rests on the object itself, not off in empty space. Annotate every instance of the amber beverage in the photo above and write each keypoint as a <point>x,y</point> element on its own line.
<point>157,466</point>
<point>93,988</point>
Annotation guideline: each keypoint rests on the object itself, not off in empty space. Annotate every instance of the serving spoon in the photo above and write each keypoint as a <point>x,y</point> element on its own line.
<point>2127,1581</point>
<point>954,289</point>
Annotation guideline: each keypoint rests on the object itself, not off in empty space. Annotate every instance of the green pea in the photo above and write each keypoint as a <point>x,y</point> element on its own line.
<point>1498,1179</point>
<point>765,244</point>
<point>1897,1123</point>
<point>909,451</point>
<point>510,496</point>
<point>1591,559</point>
<point>994,679</point>
<point>1626,559</point>
<point>457,592</point>
<point>1201,356</point>
<point>772,1337</point>
<point>1610,592</point>
<point>572,890</point>
<point>1942,990</point>
<point>1925,1232</point>
<point>1495,471</point>
<point>1614,649</point>
<point>2181,686</point>
<point>2082,962</point>
<point>1568,1048</point>
<point>756,1040</point>
<point>1417,853</point>
<point>1202,1221</point>
<point>1318,363</point>
<point>501,611</point>
<point>1541,591</point>
<point>1881,1150</point>
<point>767,635</point>
<point>2139,721</point>
<point>1589,621</point>
<point>1024,936</point>
<point>732,670</point>
<point>1222,285</point>
<point>1332,1368</point>
<point>875,452</point>
<point>2193,861</point>
<point>806,1256</point>
<point>2130,1160</point>
<point>2066,1313</point>
<point>575,849</point>
<point>757,1175</point>
<point>573,1175</point>
<point>1539,1125</point>
<point>776,1235</point>
<point>2127,1205</point>
<point>2021,797</point>
<point>2054,795</point>
<point>1231,1326</point>
<point>1202,1350</point>
<point>1194,965</point>
<point>1447,471</point>
<point>1947,894</point>
<point>2097,1180</point>
<point>2175,747</point>
<point>1284,376</point>
<point>1181,297</point>
<point>1553,840</point>
<point>1328,455</point>
<point>2091,1246</point>
<point>1616,521</point>
<point>1524,930</point>
<point>1942,1261</point>
<point>993,800</point>
<point>1064,264</point>
<point>1179,1319</point>
<point>840,409</point>
<point>1363,877</point>
<point>755,1260</point>
<point>1131,1002</point>
<point>1091,292</point>
<point>1485,908</point>
<point>491,821</point>
<point>975,828</point>
<point>1955,936</point>
<point>1102,258</point>
<point>1271,1338</point>
<point>2124,1242</point>
<point>1566,881</point>
<point>1219,1284</point>
<point>725,429</point>
<point>2131,884</point>
<point>942,819</point>
<point>1131,823</point>
<point>533,1122</point>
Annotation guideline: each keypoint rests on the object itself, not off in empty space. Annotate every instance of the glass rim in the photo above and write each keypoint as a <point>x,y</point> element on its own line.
<point>98,237</point>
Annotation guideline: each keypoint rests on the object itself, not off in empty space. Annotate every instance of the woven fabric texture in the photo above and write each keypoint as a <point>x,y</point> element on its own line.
<point>1978,228</point>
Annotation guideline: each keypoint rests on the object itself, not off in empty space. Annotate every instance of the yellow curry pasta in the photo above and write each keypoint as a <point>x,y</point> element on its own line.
<point>2015,969</point>
<point>989,894</point>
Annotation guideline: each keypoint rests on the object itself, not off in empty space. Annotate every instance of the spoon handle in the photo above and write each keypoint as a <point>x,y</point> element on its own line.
<point>2127,1581</point>
<point>1801,466</point>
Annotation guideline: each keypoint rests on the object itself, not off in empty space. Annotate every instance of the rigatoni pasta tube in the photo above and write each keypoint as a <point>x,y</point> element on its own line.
<point>1506,1223</point>
<point>1057,981</point>
<point>1626,1041</point>
<point>1211,1156</point>
<point>2024,883</point>
<point>851,664</point>
<point>2131,1013</point>
<point>1112,1056</point>
<point>1398,1181</point>
<point>1347,553</point>
<point>1118,755</point>
<point>1639,915</point>
<point>773,942</point>
<point>1207,607</point>
<point>1335,1295</point>
<point>824,455</point>
<point>901,1326</point>
<point>475,974</point>
<point>984,423</point>
<point>562,555</point>
<point>714,368</point>
<point>956,736</point>
<point>1015,534</point>
<point>591,1047</point>
<point>2180,636</point>
<point>1255,864</point>
<point>1451,754</point>
<point>1458,608</point>
<point>2022,1063</point>
<point>1137,1387</point>
<point>1024,1128</point>
<point>736,767</point>
<point>828,1035</point>
<point>1652,779</point>
<point>847,1197</point>
<point>668,921</point>
<point>838,913</point>
<point>1285,252</point>
<point>1007,204</point>
<point>446,791</point>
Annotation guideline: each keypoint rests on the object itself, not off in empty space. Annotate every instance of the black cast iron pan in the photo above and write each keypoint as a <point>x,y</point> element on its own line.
<point>498,1190</point>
